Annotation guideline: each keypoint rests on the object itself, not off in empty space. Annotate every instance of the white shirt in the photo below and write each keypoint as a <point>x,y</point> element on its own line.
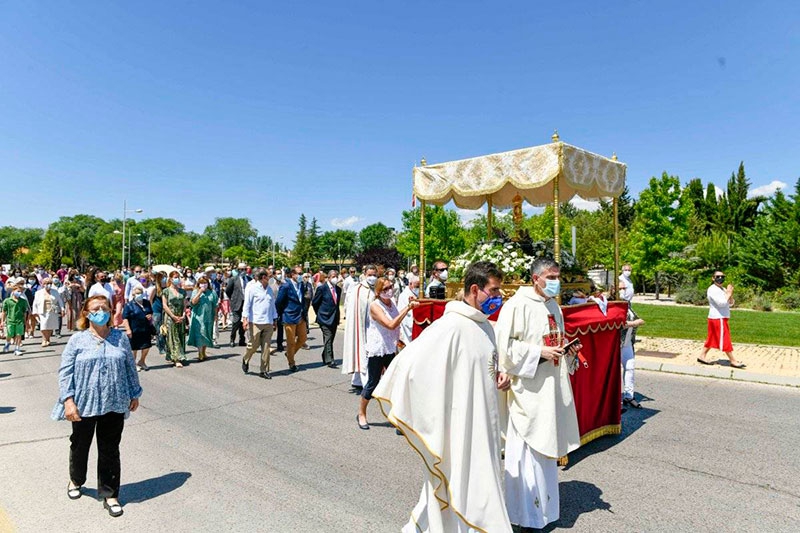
<point>103,290</point>
<point>259,304</point>
<point>380,339</point>
<point>718,305</point>
<point>626,293</point>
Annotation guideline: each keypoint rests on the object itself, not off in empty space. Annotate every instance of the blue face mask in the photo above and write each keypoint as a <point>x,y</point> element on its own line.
<point>16,294</point>
<point>176,282</point>
<point>552,287</point>
<point>213,276</point>
<point>491,304</point>
<point>99,317</point>
<point>234,272</point>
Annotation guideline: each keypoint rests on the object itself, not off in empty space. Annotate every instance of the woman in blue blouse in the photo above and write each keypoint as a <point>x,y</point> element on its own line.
<point>99,388</point>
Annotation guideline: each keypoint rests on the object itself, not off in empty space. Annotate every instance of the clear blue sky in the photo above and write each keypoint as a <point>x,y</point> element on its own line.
<point>266,109</point>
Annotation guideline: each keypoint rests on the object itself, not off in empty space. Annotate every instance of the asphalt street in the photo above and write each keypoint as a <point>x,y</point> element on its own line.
<point>211,449</point>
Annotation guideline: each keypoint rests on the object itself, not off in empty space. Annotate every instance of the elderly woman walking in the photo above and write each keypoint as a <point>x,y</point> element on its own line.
<point>173,301</point>
<point>137,317</point>
<point>47,308</point>
<point>99,388</point>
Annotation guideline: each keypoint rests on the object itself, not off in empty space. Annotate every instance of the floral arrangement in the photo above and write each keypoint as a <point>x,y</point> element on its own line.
<point>513,258</point>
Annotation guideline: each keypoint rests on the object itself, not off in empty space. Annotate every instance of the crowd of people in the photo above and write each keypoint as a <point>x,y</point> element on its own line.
<point>118,316</point>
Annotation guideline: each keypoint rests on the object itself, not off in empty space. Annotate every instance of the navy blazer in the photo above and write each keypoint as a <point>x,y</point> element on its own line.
<point>289,306</point>
<point>326,309</point>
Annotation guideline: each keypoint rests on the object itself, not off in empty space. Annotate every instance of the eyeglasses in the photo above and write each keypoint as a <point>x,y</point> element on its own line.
<point>440,269</point>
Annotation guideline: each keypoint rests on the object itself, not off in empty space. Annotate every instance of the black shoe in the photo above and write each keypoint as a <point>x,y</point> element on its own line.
<point>242,344</point>
<point>365,426</point>
<point>245,367</point>
<point>74,494</point>
<point>233,344</point>
<point>293,368</point>
<point>279,349</point>
<point>114,510</point>
<point>356,389</point>
<point>333,365</point>
<point>265,375</point>
<point>632,402</point>
<point>216,346</point>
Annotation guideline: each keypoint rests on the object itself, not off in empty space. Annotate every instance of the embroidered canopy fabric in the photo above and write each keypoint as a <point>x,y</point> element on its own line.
<point>527,172</point>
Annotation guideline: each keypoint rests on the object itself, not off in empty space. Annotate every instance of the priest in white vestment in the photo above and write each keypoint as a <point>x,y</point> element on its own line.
<point>354,352</point>
<point>441,391</point>
<point>543,425</point>
<point>407,326</point>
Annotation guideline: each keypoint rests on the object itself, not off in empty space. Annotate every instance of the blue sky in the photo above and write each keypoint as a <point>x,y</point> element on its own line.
<point>193,110</point>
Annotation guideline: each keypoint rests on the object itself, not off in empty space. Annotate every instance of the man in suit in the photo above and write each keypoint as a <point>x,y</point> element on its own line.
<point>235,292</point>
<point>326,306</point>
<point>292,311</point>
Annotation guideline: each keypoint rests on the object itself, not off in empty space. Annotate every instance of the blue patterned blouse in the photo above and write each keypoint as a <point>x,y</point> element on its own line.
<point>100,375</point>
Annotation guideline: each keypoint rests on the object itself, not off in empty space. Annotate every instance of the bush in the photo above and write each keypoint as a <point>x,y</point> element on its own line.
<point>761,303</point>
<point>789,300</point>
<point>690,294</point>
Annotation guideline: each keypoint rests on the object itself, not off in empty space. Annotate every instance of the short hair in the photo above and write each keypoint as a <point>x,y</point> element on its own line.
<point>333,272</point>
<point>83,320</point>
<point>543,263</point>
<point>370,267</point>
<point>479,272</point>
<point>381,284</point>
<point>202,279</point>
<point>261,273</point>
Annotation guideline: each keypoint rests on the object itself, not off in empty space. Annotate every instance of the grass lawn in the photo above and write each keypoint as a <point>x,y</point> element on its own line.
<point>756,327</point>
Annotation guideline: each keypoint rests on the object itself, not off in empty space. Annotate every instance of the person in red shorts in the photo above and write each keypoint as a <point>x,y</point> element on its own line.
<point>720,301</point>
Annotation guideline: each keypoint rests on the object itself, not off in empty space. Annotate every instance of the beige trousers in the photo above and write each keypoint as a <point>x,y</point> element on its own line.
<point>261,334</point>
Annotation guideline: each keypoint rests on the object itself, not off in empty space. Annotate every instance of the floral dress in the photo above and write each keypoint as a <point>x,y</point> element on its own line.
<point>176,333</point>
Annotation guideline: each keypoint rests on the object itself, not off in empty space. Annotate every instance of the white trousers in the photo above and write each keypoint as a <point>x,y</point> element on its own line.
<point>531,483</point>
<point>628,366</point>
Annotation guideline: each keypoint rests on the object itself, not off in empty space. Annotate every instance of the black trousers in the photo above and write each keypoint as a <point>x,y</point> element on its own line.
<point>375,367</point>
<point>236,325</point>
<point>279,340</point>
<point>109,434</point>
<point>328,334</point>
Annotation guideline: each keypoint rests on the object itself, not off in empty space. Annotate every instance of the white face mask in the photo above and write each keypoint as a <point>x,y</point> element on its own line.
<point>626,273</point>
<point>443,275</point>
<point>390,277</point>
<point>334,281</point>
<point>415,291</point>
<point>204,285</point>
<point>371,280</point>
<point>387,294</point>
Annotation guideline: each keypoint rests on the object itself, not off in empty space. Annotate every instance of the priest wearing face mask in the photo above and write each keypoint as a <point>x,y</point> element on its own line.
<point>411,292</point>
<point>625,284</point>
<point>441,392</point>
<point>354,353</point>
<point>436,287</point>
<point>543,425</point>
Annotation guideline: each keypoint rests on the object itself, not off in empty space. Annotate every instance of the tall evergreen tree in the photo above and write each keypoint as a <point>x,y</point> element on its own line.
<point>300,252</point>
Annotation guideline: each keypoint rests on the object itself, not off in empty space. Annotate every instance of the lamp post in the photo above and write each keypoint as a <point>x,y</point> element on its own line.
<point>273,250</point>
<point>125,212</point>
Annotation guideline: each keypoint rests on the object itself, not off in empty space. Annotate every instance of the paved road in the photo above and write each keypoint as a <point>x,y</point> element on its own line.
<point>213,450</point>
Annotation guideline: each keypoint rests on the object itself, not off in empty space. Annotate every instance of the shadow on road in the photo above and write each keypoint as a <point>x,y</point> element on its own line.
<point>6,410</point>
<point>576,498</point>
<point>4,375</point>
<point>632,420</point>
<point>148,489</point>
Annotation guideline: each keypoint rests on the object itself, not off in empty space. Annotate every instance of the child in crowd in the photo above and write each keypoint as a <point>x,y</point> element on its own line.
<point>13,317</point>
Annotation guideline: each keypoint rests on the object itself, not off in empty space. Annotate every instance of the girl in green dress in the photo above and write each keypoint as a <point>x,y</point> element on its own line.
<point>204,311</point>
<point>174,302</point>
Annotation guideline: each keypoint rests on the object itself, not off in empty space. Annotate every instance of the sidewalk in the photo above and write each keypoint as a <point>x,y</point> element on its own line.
<point>778,365</point>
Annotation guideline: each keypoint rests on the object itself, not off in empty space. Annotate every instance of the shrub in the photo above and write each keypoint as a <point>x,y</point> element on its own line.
<point>789,300</point>
<point>761,303</point>
<point>690,294</point>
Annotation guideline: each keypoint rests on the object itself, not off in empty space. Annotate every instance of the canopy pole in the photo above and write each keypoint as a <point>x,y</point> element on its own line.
<point>556,206</point>
<point>489,218</point>
<point>615,203</point>
<point>422,243</point>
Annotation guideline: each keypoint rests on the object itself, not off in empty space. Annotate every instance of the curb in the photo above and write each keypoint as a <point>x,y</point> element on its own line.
<point>731,374</point>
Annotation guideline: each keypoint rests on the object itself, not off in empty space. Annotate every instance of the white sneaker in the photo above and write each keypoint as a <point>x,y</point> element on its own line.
<point>17,352</point>
<point>138,368</point>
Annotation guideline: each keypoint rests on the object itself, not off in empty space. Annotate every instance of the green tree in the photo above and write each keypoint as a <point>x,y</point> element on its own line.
<point>375,236</point>
<point>302,249</point>
<point>625,208</point>
<point>73,238</point>
<point>314,249</point>
<point>737,211</point>
<point>229,231</point>
<point>14,240</point>
<point>659,231</point>
<point>445,238</point>
<point>338,245</point>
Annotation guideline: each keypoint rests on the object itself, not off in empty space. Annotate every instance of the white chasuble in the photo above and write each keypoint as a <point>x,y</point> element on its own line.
<point>440,393</point>
<point>354,352</point>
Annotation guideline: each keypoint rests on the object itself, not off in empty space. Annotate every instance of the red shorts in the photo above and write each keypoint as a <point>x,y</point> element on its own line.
<point>719,335</point>
<point>225,306</point>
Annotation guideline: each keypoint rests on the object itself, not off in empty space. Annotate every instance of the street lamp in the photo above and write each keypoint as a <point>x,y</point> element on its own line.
<point>125,212</point>
<point>273,250</point>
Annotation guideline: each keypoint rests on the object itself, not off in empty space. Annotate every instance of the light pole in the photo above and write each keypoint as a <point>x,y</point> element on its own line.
<point>273,250</point>
<point>130,234</point>
<point>125,212</point>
